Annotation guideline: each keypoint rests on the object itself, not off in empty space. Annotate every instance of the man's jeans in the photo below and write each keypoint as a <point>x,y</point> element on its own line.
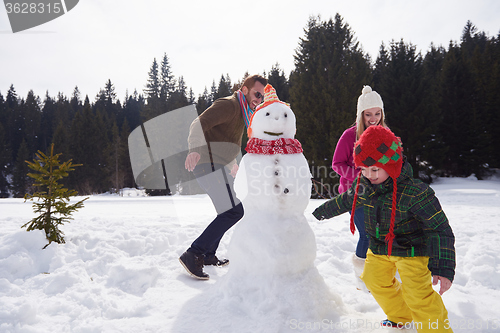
<point>218,183</point>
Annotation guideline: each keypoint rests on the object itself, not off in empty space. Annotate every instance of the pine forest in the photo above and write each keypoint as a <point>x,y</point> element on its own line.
<point>445,106</point>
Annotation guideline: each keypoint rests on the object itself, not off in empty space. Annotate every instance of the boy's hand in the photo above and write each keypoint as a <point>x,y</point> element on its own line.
<point>445,283</point>
<point>318,214</point>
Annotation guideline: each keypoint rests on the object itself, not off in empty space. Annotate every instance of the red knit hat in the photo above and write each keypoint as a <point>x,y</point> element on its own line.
<point>378,146</point>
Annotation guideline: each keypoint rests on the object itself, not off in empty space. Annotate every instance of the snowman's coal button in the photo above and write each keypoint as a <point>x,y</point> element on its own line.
<point>276,173</point>
<point>286,191</point>
<point>276,161</point>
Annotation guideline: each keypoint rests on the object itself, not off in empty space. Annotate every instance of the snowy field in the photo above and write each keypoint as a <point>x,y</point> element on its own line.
<point>119,269</point>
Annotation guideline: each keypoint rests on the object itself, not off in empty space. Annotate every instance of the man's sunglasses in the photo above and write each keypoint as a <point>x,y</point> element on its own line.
<point>258,95</point>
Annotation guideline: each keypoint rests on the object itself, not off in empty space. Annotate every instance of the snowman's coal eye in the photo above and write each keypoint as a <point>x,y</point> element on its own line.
<point>267,114</point>
<point>286,115</point>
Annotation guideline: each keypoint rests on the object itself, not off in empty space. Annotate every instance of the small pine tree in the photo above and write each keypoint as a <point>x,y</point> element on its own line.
<point>54,207</point>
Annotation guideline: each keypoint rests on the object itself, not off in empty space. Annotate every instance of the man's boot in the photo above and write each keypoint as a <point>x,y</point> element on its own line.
<point>214,261</point>
<point>194,265</point>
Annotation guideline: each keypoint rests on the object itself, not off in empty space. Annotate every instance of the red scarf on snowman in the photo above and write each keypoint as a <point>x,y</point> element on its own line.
<point>272,147</point>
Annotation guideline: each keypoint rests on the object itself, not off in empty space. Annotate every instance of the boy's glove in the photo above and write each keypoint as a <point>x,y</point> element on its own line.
<point>319,213</point>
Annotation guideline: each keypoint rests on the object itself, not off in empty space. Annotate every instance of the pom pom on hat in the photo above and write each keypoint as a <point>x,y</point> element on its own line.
<point>379,147</point>
<point>369,99</point>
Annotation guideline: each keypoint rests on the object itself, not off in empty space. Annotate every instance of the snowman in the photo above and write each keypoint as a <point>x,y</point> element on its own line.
<point>274,185</point>
<point>273,248</point>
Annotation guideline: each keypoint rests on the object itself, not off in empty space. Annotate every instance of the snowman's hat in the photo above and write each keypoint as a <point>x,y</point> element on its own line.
<point>270,97</point>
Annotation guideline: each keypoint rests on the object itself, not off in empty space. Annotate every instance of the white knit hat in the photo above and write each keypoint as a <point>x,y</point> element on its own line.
<point>368,99</point>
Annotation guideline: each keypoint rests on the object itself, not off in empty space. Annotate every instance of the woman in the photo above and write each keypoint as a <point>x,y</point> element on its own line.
<point>370,112</point>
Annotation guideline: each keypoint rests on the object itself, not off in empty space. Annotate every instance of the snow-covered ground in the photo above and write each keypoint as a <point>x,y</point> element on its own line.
<point>119,269</point>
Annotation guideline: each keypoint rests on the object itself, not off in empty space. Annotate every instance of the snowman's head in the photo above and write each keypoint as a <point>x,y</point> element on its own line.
<point>273,119</point>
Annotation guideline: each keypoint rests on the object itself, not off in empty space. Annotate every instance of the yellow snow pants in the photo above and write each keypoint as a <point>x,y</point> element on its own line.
<point>412,300</point>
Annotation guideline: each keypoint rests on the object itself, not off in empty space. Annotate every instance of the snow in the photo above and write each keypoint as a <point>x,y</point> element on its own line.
<point>119,269</point>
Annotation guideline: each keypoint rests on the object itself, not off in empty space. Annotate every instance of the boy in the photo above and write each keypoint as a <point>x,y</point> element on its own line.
<point>408,232</point>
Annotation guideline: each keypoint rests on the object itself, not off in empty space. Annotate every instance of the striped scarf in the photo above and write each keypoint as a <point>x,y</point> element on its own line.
<point>272,147</point>
<point>245,108</point>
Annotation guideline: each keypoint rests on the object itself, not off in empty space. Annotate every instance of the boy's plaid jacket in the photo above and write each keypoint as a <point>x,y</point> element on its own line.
<point>421,227</point>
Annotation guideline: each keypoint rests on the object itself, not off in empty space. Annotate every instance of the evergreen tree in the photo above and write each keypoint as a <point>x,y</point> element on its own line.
<point>20,181</point>
<point>153,86</point>
<point>278,80</point>
<point>89,138</point>
<point>472,39</point>
<point>54,206</point>
<point>3,110</point>
<point>433,149</point>
<point>102,139</point>
<point>105,104</point>
<point>408,112</point>
<point>61,139</point>
<point>181,86</point>
<point>63,112</point>
<point>381,64</point>
<point>152,92</point>
<point>11,99</point>
<point>167,80</point>
<point>5,161</point>
<point>31,120</point>
<point>14,122</point>
<point>475,51</point>
<point>457,105</point>
<point>204,101</point>
<point>76,102</point>
<point>178,99</point>
<point>469,91</point>
<point>109,92</point>
<point>111,104</point>
<point>330,70</point>
<point>191,98</point>
<point>119,167</point>
<point>224,87</point>
<point>493,98</point>
<point>7,107</point>
<point>114,152</point>
<point>6,155</point>
<point>132,109</point>
<point>213,92</point>
<point>124,162</point>
<point>48,122</point>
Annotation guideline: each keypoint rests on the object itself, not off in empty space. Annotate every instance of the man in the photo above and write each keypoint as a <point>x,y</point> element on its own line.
<point>214,143</point>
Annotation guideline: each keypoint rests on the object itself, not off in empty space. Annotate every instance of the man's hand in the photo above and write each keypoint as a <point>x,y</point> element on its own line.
<point>234,170</point>
<point>191,161</point>
<point>445,283</point>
